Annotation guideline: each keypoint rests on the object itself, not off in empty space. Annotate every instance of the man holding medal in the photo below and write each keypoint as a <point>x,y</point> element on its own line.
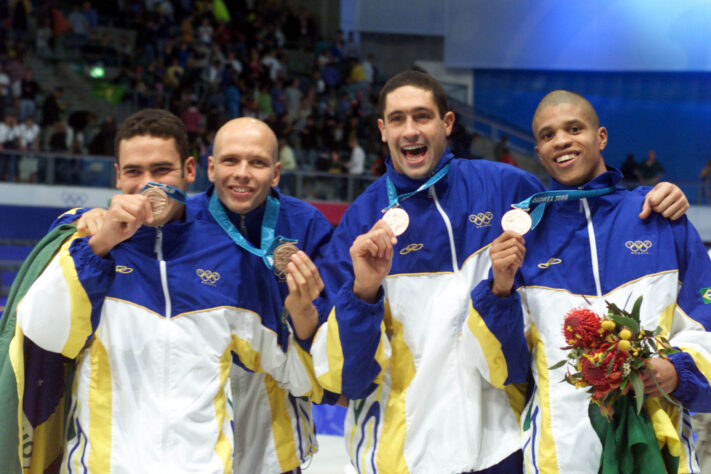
<point>588,247</point>
<point>154,307</point>
<point>274,430</point>
<point>409,340</point>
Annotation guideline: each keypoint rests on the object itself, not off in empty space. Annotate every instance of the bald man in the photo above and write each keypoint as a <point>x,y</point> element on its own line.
<point>155,310</point>
<point>590,248</point>
<point>274,430</point>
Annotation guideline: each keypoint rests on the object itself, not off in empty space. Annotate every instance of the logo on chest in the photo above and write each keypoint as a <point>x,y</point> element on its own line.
<point>411,248</point>
<point>482,219</point>
<point>551,261</point>
<point>123,269</point>
<point>207,277</point>
<point>638,247</point>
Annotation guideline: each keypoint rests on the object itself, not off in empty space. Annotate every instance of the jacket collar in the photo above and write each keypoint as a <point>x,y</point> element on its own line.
<point>404,184</point>
<point>609,178</point>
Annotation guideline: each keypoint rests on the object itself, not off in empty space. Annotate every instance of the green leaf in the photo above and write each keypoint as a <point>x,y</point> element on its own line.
<point>638,388</point>
<point>635,309</point>
<point>625,321</point>
<point>609,366</point>
<point>657,331</point>
<point>558,365</point>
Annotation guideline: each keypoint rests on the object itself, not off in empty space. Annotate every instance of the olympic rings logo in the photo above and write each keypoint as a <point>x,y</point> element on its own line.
<point>638,246</point>
<point>411,248</point>
<point>123,269</point>
<point>208,277</point>
<point>74,199</point>
<point>482,219</point>
<point>280,274</point>
<point>551,261</point>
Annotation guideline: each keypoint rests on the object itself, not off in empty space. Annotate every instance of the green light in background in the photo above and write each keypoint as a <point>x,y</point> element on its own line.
<point>97,72</point>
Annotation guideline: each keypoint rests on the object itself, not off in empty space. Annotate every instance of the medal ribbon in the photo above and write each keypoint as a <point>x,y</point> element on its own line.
<point>394,198</point>
<point>268,242</point>
<point>547,197</point>
<point>175,193</point>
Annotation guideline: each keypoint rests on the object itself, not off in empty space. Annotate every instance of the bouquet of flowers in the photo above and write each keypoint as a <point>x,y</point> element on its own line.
<point>607,355</point>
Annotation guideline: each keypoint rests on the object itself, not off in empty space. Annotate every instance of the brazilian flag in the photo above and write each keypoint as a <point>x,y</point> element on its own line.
<point>33,382</point>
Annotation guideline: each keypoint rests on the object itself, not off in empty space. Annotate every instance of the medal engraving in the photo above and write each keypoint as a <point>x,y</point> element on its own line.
<point>397,219</point>
<point>282,256</point>
<point>159,202</point>
<point>516,220</point>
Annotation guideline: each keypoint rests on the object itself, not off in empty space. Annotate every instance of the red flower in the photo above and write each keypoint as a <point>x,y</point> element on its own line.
<point>594,369</point>
<point>581,328</point>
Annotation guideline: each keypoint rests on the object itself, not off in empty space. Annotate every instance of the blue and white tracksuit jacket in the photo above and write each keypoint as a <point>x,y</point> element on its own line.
<point>424,372</point>
<point>582,254</point>
<point>274,430</point>
<point>154,327</point>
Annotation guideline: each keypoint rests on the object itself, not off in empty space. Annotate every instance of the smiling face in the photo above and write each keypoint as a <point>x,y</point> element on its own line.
<point>414,130</point>
<point>243,166</point>
<point>569,142</point>
<point>145,158</point>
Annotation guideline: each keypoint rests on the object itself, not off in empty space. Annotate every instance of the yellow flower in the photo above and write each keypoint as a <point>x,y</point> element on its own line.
<point>625,334</point>
<point>608,325</point>
<point>624,345</point>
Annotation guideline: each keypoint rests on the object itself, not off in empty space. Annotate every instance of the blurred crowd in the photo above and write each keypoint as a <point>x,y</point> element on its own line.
<point>207,62</point>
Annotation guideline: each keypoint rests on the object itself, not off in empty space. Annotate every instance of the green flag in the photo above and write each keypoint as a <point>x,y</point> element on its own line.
<point>40,400</point>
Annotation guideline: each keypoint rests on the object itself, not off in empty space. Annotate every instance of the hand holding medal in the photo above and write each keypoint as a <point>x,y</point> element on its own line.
<point>516,220</point>
<point>397,219</point>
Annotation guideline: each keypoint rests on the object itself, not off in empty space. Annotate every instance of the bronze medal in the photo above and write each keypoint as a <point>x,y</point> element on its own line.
<point>282,256</point>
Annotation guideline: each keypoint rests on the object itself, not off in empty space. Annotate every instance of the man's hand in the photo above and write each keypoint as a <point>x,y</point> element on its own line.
<point>666,199</point>
<point>507,252</point>
<point>91,221</point>
<point>126,214</point>
<point>305,285</point>
<point>666,376</point>
<point>372,256</point>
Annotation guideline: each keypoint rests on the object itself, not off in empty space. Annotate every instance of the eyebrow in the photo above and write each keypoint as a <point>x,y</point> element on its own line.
<point>566,124</point>
<point>412,111</point>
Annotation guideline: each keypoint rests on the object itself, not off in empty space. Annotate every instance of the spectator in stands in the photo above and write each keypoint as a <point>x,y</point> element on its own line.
<point>356,163</point>
<point>368,69</point>
<point>630,169</point>
<point>651,171</point>
<point>9,140</point>
<point>9,133</point>
<point>29,135</point>
<point>51,109</point>
<point>501,147</point>
<point>287,158</point>
<point>28,95</point>
<point>80,24</point>
<point>29,138</point>
<point>477,149</point>
<point>5,96</point>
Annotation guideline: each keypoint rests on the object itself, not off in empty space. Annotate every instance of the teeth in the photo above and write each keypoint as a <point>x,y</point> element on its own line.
<point>411,147</point>
<point>241,190</point>
<point>564,158</point>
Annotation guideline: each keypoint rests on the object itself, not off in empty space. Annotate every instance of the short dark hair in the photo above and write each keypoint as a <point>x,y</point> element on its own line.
<point>155,123</point>
<point>417,79</point>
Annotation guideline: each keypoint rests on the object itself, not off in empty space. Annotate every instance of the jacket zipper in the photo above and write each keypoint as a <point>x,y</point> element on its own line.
<point>448,224</point>
<point>593,248</point>
<point>164,284</point>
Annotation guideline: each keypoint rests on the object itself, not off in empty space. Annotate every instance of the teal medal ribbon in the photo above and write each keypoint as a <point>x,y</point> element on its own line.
<point>546,197</point>
<point>394,198</point>
<point>174,193</point>
<point>268,241</point>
